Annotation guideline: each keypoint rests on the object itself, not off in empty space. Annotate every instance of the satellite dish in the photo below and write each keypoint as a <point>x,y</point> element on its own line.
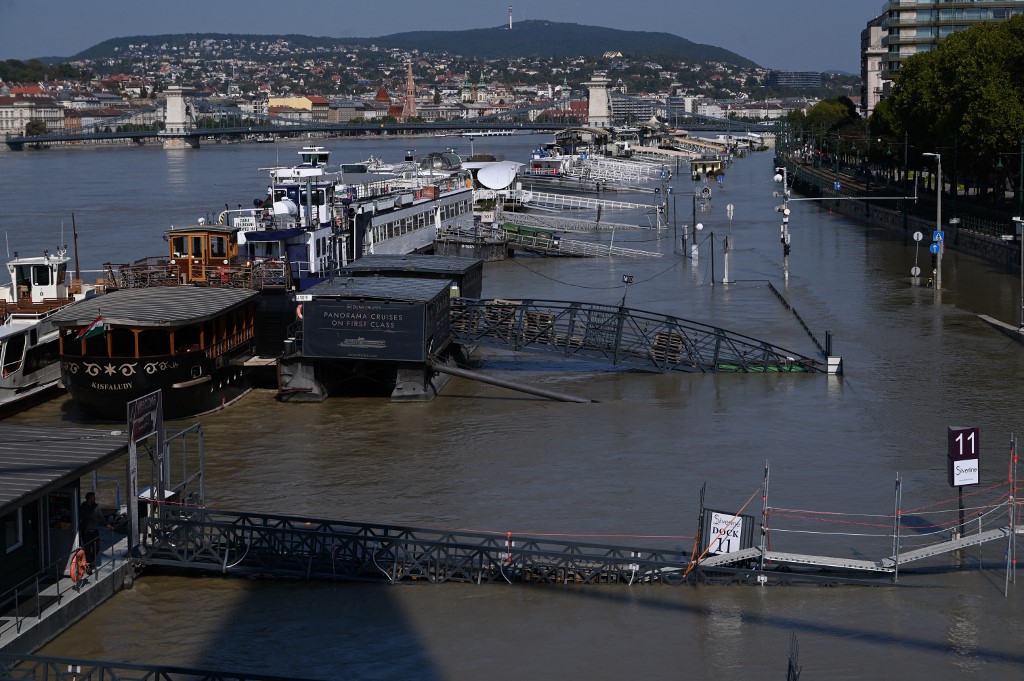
<point>498,175</point>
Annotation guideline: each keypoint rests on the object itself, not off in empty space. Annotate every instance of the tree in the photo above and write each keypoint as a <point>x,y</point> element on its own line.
<point>35,127</point>
<point>967,92</point>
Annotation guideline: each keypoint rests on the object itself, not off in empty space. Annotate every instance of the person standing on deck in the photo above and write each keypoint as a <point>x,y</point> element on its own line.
<point>90,519</point>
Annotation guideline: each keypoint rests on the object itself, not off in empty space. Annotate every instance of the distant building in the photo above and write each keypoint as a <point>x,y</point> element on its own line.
<point>794,79</point>
<point>16,112</point>
<point>872,64</point>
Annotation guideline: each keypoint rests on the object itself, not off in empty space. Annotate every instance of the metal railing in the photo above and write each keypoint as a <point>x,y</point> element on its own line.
<point>45,668</point>
<point>644,340</point>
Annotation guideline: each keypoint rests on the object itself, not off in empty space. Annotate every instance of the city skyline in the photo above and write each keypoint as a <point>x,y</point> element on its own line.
<point>775,35</point>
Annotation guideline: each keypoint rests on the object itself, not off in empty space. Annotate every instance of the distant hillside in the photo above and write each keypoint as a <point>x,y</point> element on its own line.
<point>548,38</point>
<point>526,39</point>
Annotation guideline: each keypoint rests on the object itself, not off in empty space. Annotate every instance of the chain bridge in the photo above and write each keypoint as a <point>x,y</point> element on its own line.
<point>640,340</point>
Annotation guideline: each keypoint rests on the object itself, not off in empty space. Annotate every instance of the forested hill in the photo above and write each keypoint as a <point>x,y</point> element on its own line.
<point>526,39</point>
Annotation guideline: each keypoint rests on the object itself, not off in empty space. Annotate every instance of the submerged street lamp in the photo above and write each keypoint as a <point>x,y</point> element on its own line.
<point>938,238</point>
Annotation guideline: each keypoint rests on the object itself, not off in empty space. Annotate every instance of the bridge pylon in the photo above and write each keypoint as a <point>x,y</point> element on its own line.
<point>177,132</point>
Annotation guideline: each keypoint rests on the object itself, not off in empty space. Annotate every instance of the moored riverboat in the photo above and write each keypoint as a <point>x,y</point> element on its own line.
<point>29,345</point>
<point>188,341</point>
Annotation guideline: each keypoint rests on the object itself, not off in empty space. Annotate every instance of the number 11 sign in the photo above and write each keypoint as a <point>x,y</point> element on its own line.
<point>964,456</point>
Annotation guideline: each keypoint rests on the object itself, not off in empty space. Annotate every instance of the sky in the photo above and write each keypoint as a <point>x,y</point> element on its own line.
<point>797,35</point>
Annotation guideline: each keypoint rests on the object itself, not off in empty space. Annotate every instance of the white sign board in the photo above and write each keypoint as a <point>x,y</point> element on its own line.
<point>725,532</point>
<point>965,472</point>
<point>245,223</point>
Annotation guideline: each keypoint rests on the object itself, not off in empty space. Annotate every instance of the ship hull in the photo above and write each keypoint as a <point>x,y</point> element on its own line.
<point>191,383</point>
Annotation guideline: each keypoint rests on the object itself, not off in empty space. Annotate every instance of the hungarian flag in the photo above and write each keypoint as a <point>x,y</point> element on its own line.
<point>94,329</point>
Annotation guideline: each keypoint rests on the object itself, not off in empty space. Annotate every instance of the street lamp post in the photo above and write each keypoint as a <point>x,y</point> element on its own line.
<point>781,176</point>
<point>938,215</point>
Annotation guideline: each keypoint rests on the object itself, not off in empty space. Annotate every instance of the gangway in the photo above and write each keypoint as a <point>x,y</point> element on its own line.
<point>563,224</point>
<point>535,199</point>
<point>641,340</point>
<point>34,667</point>
<point>260,544</point>
<point>608,169</point>
<point>573,248</point>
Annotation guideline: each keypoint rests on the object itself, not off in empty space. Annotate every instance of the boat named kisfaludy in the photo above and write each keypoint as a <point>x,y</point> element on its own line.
<point>187,341</point>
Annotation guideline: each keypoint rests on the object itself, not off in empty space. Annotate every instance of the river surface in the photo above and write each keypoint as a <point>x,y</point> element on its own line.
<point>626,470</point>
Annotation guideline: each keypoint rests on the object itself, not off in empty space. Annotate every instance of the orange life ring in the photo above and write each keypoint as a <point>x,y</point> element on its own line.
<point>78,565</point>
<point>298,310</point>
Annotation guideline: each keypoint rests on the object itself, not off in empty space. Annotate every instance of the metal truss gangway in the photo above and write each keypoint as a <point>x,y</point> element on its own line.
<point>239,543</point>
<point>598,168</point>
<point>17,666</point>
<point>537,199</point>
<point>563,224</point>
<point>572,248</point>
<point>640,340</point>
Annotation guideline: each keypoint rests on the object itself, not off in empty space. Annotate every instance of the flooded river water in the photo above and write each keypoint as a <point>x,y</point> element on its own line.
<point>627,469</point>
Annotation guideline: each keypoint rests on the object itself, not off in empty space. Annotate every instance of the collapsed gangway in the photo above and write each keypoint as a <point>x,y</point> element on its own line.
<point>623,337</point>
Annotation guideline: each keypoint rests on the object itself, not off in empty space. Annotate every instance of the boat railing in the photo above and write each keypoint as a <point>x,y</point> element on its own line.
<point>143,273</point>
<point>28,311</point>
<point>155,271</point>
<point>231,342</point>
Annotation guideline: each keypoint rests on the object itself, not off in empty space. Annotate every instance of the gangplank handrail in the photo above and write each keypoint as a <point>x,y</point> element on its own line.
<point>644,340</point>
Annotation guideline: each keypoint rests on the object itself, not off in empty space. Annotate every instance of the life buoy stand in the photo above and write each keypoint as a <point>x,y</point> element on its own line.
<point>78,565</point>
<point>298,311</point>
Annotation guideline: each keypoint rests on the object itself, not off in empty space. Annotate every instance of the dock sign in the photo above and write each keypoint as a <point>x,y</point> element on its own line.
<point>964,456</point>
<point>726,533</point>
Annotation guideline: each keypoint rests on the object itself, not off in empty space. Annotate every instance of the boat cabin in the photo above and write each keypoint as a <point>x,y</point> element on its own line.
<point>201,252</point>
<point>36,284</point>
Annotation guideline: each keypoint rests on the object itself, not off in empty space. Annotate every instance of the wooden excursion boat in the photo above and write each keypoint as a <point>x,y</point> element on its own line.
<point>188,341</point>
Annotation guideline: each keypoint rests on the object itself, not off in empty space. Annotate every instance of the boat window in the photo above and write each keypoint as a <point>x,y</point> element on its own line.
<point>23,276</point>
<point>62,272</point>
<point>178,246</point>
<point>187,339</point>
<point>13,352</point>
<point>154,342</point>
<point>218,247</point>
<point>318,197</point>
<point>41,275</point>
<point>42,356</point>
<point>122,342</point>
<point>13,535</point>
<point>197,247</point>
<point>97,345</point>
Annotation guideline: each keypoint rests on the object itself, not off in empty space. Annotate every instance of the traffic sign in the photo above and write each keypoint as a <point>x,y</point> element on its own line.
<point>627,278</point>
<point>939,236</point>
<point>917,236</point>
<point>934,248</point>
<point>915,271</point>
<point>837,185</point>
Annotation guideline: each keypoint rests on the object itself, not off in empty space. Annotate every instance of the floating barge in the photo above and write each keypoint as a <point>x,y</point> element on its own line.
<point>361,333</point>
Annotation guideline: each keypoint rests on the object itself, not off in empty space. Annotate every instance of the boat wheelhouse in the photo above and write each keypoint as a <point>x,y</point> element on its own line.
<point>188,341</point>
